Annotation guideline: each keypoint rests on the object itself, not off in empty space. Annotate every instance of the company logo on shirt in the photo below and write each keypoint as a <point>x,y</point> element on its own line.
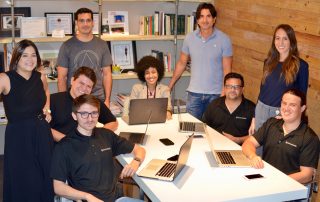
<point>240,117</point>
<point>291,144</point>
<point>105,149</point>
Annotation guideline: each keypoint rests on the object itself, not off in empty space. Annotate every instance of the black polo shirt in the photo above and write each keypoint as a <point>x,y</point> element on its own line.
<point>61,109</point>
<point>87,162</point>
<point>301,147</point>
<point>237,123</point>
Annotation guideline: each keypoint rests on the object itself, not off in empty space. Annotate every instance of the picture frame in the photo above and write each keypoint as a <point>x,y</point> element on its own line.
<point>123,54</point>
<point>6,21</point>
<point>62,21</point>
<point>32,27</point>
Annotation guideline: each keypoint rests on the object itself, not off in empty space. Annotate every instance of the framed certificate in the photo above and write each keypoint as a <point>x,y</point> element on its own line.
<point>59,21</point>
<point>6,21</point>
<point>32,27</point>
<point>124,54</point>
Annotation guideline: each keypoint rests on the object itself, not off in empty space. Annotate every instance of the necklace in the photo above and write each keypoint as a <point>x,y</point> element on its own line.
<point>151,94</point>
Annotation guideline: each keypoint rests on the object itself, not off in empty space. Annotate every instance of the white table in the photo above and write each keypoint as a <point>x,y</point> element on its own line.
<point>201,180</point>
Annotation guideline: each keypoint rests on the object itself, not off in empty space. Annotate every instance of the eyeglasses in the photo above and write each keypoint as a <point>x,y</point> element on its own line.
<point>85,115</point>
<point>85,20</point>
<point>235,87</point>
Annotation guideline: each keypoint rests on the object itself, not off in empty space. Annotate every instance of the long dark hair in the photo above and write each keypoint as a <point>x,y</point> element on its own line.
<point>291,64</point>
<point>18,51</point>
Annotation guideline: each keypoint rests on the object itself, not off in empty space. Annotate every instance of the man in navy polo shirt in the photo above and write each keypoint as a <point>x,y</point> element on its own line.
<point>231,114</point>
<point>289,144</point>
<point>84,158</point>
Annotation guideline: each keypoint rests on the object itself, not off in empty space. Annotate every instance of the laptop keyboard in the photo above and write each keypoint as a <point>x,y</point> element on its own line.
<point>167,170</point>
<point>226,158</point>
<point>188,126</point>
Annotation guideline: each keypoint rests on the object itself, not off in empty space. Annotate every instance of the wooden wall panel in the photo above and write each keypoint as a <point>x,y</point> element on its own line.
<point>250,24</point>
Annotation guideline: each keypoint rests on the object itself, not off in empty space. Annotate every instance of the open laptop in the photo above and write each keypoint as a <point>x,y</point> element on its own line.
<point>227,158</point>
<point>134,137</point>
<point>188,126</point>
<point>168,170</point>
<point>140,109</point>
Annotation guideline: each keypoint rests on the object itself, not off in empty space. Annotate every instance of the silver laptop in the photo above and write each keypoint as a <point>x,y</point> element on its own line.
<point>188,126</point>
<point>227,158</point>
<point>134,137</point>
<point>168,170</point>
<point>140,109</point>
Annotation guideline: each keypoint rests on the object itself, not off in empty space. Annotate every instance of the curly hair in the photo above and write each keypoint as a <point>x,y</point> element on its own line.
<point>145,63</point>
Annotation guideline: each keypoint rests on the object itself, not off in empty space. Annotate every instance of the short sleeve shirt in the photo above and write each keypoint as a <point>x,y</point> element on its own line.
<point>86,162</point>
<point>301,147</point>
<point>61,109</point>
<point>236,123</point>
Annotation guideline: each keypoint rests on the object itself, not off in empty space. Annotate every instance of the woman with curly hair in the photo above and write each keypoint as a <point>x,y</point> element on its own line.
<point>150,71</point>
<point>283,69</point>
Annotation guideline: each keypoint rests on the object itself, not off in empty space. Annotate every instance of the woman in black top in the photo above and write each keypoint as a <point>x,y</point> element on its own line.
<point>28,139</point>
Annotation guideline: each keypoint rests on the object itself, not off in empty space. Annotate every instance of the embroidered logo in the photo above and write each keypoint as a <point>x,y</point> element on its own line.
<point>240,117</point>
<point>291,144</point>
<point>105,149</point>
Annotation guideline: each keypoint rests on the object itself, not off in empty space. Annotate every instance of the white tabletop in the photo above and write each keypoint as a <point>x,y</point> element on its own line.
<point>201,179</point>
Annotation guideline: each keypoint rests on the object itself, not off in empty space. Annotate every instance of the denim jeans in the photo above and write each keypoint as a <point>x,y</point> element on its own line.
<point>263,112</point>
<point>197,103</point>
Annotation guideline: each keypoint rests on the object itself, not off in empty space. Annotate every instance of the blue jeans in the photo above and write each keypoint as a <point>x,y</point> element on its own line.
<point>263,112</point>
<point>197,103</point>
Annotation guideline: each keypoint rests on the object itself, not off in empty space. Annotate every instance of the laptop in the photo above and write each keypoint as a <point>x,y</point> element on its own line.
<point>140,109</point>
<point>168,170</point>
<point>136,138</point>
<point>188,126</point>
<point>227,158</point>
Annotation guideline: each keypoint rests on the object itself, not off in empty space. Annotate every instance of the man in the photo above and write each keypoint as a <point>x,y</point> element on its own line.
<point>231,114</point>
<point>62,122</point>
<point>85,157</point>
<point>210,51</point>
<point>85,49</point>
<point>289,144</point>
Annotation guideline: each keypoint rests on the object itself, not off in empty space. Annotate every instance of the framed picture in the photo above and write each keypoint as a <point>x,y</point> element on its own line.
<point>59,21</point>
<point>6,21</point>
<point>32,27</point>
<point>124,54</point>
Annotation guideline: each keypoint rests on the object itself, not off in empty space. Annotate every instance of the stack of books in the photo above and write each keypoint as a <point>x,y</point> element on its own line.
<point>163,57</point>
<point>182,104</point>
<point>117,106</point>
<point>115,109</point>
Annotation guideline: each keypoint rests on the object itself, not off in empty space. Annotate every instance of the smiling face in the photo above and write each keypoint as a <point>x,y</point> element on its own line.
<point>81,85</point>
<point>233,89</point>
<point>28,60</point>
<point>86,125</point>
<point>151,76</point>
<point>282,43</point>
<point>206,20</point>
<point>291,109</point>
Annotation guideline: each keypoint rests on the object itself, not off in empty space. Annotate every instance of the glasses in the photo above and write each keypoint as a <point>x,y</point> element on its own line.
<point>235,87</point>
<point>85,115</point>
<point>85,20</point>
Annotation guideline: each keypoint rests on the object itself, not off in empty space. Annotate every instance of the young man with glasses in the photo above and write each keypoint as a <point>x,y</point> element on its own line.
<point>85,157</point>
<point>62,122</point>
<point>84,49</point>
<point>231,114</point>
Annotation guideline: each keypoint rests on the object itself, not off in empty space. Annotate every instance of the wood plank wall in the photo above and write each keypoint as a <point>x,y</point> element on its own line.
<point>250,24</point>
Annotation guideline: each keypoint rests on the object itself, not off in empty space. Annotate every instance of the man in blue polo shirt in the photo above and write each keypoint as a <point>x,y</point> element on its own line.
<point>210,51</point>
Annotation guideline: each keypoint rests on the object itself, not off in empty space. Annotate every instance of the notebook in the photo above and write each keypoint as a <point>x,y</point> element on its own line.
<point>136,138</point>
<point>188,126</point>
<point>227,158</point>
<point>140,109</point>
<point>168,170</point>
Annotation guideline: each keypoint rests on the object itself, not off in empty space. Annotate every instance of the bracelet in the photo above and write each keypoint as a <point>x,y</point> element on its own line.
<point>46,110</point>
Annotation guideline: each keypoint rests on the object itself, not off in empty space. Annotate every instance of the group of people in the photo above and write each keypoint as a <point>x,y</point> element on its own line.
<point>80,165</point>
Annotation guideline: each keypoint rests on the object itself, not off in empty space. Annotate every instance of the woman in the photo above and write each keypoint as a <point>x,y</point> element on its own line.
<point>28,140</point>
<point>150,71</point>
<point>283,69</point>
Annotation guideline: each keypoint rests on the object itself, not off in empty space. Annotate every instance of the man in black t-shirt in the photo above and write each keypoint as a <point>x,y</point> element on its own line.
<point>84,158</point>
<point>62,122</point>
<point>288,143</point>
<point>231,114</point>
